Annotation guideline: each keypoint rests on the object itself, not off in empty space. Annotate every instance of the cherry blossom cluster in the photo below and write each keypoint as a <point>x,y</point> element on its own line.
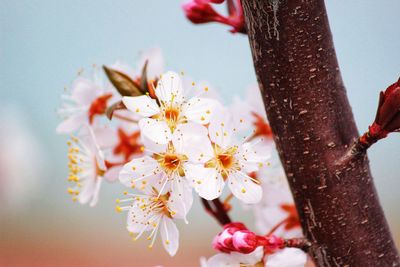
<point>170,136</point>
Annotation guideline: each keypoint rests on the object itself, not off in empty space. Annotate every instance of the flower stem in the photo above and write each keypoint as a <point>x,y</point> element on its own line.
<point>217,210</point>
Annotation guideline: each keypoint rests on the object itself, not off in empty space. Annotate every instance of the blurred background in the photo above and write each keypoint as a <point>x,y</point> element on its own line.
<point>44,43</point>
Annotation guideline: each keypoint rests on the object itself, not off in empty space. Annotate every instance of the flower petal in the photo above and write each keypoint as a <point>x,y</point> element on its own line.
<point>138,217</point>
<point>199,109</point>
<point>242,187</point>
<point>157,131</point>
<point>206,181</point>
<point>222,260</point>
<point>84,91</point>
<point>155,60</point>
<point>191,139</point>
<point>169,235</point>
<point>288,257</point>
<point>72,123</point>
<point>221,127</point>
<point>138,171</point>
<point>249,259</point>
<point>181,199</point>
<point>142,105</point>
<point>169,88</point>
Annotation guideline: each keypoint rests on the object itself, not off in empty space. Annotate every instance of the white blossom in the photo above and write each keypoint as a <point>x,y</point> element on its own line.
<point>162,116</point>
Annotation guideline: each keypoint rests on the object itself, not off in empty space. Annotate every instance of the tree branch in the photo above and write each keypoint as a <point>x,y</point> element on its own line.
<point>313,127</point>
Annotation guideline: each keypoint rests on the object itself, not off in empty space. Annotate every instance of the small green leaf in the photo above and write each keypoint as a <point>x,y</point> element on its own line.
<point>124,85</point>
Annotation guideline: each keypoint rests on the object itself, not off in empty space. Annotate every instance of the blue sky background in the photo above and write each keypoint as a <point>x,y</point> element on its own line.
<point>43,43</point>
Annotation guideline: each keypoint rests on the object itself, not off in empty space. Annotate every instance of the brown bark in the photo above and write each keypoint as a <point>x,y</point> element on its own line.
<point>311,119</point>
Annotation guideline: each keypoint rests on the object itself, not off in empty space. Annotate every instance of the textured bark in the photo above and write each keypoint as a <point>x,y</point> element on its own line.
<point>311,119</point>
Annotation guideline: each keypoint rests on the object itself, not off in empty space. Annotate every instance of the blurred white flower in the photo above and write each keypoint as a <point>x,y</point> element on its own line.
<point>161,117</point>
<point>21,160</point>
<point>88,98</point>
<point>86,168</point>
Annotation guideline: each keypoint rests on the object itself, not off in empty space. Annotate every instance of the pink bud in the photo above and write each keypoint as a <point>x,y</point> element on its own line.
<point>223,241</point>
<point>388,114</point>
<point>201,11</point>
<point>244,241</point>
<point>387,118</point>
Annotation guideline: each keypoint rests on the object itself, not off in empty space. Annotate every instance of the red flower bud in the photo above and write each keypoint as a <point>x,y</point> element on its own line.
<point>388,113</point>
<point>387,117</point>
<point>201,11</point>
<point>223,241</point>
<point>245,241</point>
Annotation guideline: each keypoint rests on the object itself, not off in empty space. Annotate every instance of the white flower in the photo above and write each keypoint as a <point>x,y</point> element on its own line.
<point>235,259</point>
<point>162,116</point>
<point>86,168</point>
<point>87,99</point>
<point>287,257</point>
<point>229,162</point>
<point>153,212</point>
<point>167,165</point>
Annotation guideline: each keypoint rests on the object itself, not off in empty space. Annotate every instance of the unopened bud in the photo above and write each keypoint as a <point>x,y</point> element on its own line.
<point>244,241</point>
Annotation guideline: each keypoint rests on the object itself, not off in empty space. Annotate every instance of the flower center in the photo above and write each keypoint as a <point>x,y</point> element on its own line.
<point>224,160</point>
<point>160,203</point>
<point>171,162</point>
<point>171,114</point>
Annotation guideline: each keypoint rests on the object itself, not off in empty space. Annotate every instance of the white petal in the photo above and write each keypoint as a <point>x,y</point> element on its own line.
<point>169,235</point>
<point>222,260</point>
<point>191,139</point>
<point>251,258</point>
<point>206,181</point>
<point>199,109</point>
<point>88,189</point>
<point>244,188</point>
<point>124,68</point>
<point>169,88</point>
<point>96,192</point>
<point>84,91</point>
<point>138,217</point>
<point>72,123</point>
<point>221,127</point>
<point>112,173</point>
<point>142,105</point>
<point>155,130</point>
<point>181,199</point>
<point>155,60</point>
<point>288,257</point>
<point>141,169</point>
